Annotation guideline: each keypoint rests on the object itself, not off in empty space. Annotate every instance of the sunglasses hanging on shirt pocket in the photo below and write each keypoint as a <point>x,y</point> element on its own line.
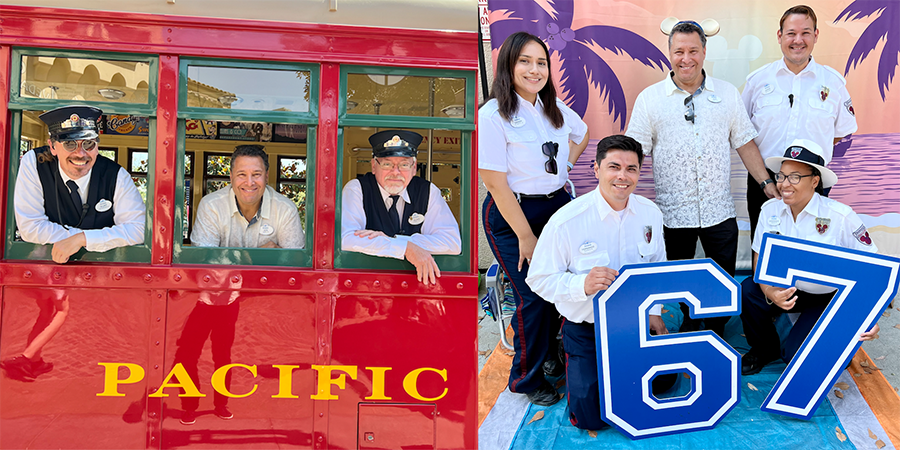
<point>550,149</point>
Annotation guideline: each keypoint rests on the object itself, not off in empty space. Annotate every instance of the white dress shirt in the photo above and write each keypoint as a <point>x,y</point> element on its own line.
<point>844,228</point>
<point>439,236</point>
<point>34,226</point>
<point>691,161</point>
<point>219,222</point>
<point>588,233</point>
<point>514,146</point>
<point>810,116</point>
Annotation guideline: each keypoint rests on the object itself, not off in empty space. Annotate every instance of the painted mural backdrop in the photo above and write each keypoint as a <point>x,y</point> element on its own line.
<point>605,52</point>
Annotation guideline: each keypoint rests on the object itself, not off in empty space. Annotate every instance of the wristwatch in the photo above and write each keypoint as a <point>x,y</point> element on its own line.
<point>764,183</point>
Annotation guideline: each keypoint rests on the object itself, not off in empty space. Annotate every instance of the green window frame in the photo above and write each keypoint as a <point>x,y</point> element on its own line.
<point>466,125</point>
<point>239,255</point>
<point>19,250</point>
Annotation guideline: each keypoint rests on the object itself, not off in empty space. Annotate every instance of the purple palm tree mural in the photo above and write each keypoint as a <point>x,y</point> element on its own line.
<point>886,26</point>
<point>579,64</point>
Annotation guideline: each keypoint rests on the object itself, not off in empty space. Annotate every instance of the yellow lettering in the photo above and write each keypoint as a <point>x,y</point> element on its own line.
<point>409,383</point>
<point>378,383</point>
<point>325,380</point>
<point>284,381</point>
<point>111,379</point>
<point>184,382</point>
<point>218,380</point>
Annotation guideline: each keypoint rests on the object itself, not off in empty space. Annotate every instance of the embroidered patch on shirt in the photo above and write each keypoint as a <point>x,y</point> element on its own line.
<point>648,233</point>
<point>823,94</point>
<point>822,224</point>
<point>862,235</point>
<point>849,105</point>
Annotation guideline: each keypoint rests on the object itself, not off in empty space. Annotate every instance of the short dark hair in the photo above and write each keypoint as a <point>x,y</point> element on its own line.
<point>799,9</point>
<point>688,28</point>
<point>504,87</point>
<point>619,142</point>
<point>250,150</point>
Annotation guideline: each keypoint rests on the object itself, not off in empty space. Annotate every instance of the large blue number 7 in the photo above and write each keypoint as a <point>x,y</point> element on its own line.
<point>629,358</point>
<point>865,283</point>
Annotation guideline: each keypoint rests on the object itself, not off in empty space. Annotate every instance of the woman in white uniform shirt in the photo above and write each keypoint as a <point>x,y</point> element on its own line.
<point>524,155</point>
<point>802,212</point>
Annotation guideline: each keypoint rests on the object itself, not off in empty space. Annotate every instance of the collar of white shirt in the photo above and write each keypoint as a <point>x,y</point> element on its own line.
<point>672,88</point>
<point>782,66</point>
<point>83,182</point>
<point>811,208</point>
<point>264,209</point>
<point>538,104</point>
<point>604,209</point>
<point>386,196</point>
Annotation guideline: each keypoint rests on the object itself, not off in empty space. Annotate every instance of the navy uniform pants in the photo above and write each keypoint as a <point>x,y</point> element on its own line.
<point>757,317</point>
<point>582,380</point>
<point>536,322</point>
<point>719,244</point>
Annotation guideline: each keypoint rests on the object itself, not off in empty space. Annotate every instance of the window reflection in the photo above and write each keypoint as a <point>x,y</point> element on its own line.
<point>84,79</point>
<point>406,95</point>
<point>248,89</point>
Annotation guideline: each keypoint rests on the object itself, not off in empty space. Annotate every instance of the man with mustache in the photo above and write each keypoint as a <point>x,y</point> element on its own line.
<point>69,196</point>
<point>391,212</point>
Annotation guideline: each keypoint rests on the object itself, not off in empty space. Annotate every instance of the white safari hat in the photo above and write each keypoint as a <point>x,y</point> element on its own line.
<point>808,152</point>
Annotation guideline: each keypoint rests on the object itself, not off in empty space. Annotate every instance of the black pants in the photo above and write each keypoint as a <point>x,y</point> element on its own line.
<point>536,322</point>
<point>757,315</point>
<point>755,199</point>
<point>720,244</point>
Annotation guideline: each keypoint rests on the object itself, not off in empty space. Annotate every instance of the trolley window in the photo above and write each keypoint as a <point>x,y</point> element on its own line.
<point>122,85</point>
<point>433,103</point>
<point>225,104</point>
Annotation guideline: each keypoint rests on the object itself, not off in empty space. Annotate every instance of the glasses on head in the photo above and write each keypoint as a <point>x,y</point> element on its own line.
<point>389,166</point>
<point>689,109</point>
<point>550,150</point>
<point>793,178</point>
<point>71,146</point>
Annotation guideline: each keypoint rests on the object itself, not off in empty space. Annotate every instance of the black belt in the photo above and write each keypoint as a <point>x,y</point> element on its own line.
<point>561,190</point>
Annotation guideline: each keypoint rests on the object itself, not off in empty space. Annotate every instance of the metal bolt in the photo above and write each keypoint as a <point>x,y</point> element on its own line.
<point>459,285</point>
<point>348,283</point>
<point>263,280</point>
<point>162,229</point>
<point>177,277</point>
<point>158,319</point>
<point>158,295</point>
<point>235,279</point>
<point>117,276</point>
<point>56,275</point>
<point>320,282</point>
<point>164,199</point>
<point>148,278</point>
<point>376,283</point>
<point>157,342</point>
<point>27,274</point>
<point>292,281</point>
<point>156,366</point>
<point>404,285</point>
<point>206,278</point>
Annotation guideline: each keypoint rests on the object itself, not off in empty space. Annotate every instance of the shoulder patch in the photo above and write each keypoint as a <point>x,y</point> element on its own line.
<point>836,73</point>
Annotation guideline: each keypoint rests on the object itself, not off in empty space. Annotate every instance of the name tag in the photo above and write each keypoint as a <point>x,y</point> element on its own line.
<point>266,229</point>
<point>103,205</point>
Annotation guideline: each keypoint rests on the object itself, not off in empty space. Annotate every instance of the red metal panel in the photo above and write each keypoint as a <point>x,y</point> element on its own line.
<point>166,154</point>
<point>60,407</point>
<point>261,329</point>
<point>386,427</point>
<point>326,166</point>
<point>228,38</point>
<point>406,334</point>
<point>5,76</point>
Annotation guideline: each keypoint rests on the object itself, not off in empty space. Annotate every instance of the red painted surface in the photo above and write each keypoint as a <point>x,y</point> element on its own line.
<point>138,313</point>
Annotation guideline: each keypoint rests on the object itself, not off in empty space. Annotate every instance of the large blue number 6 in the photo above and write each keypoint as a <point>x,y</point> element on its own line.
<point>865,283</point>
<point>629,358</point>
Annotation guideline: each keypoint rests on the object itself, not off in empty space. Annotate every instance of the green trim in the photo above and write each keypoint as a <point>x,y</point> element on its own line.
<point>447,263</point>
<point>28,251</point>
<point>463,123</point>
<point>245,256</point>
<point>308,117</point>
<point>16,102</point>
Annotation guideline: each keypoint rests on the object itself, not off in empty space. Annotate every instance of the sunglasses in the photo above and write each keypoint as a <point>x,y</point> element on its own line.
<point>689,109</point>
<point>71,146</point>
<point>550,150</point>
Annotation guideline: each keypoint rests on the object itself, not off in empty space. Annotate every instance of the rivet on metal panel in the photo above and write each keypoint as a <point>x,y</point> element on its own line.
<point>156,366</point>
<point>56,275</point>
<point>324,262</point>
<point>157,342</point>
<point>320,282</point>
<point>162,229</point>
<point>263,280</point>
<point>163,200</point>
<point>27,274</point>
<point>459,285</point>
<point>117,276</point>
<point>168,57</point>
<point>152,414</point>
<point>292,281</point>
<point>168,85</point>
<point>327,149</point>
<point>348,283</point>
<point>235,279</point>
<point>370,436</point>
<point>169,30</point>
<point>206,278</point>
<point>326,177</point>
<point>438,413</point>
<point>324,206</point>
<point>152,438</point>
<point>177,277</point>
<point>168,39</point>
<point>158,319</point>
<point>321,414</point>
<point>320,439</point>
<point>148,278</point>
<point>158,295</point>
<point>166,142</point>
<point>161,259</point>
<point>404,285</point>
<point>167,114</point>
<point>376,283</point>
<point>328,121</point>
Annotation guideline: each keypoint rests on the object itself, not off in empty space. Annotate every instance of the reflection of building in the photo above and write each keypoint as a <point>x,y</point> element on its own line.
<point>84,79</point>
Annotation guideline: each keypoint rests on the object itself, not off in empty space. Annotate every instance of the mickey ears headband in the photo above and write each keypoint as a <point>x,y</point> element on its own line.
<point>709,26</point>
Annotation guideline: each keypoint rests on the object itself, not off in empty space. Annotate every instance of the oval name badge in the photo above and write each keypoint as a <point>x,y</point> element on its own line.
<point>774,221</point>
<point>587,247</point>
<point>767,89</point>
<point>416,218</point>
<point>714,98</point>
<point>517,122</point>
<point>103,205</point>
<point>266,229</point>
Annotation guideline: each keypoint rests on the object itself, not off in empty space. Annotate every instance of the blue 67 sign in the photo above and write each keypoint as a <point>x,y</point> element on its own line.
<point>628,357</point>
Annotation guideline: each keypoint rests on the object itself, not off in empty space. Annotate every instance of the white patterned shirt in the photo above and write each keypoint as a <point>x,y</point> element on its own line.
<point>780,120</point>
<point>220,223</point>
<point>588,233</point>
<point>691,161</point>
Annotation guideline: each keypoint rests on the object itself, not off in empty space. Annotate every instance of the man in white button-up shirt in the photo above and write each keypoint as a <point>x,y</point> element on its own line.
<point>579,254</point>
<point>247,212</point>
<point>689,123</point>
<point>391,212</point>
<point>796,98</point>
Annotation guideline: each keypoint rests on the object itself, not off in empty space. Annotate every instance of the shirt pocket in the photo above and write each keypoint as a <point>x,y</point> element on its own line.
<point>520,137</point>
<point>818,108</point>
<point>645,251</point>
<point>584,263</point>
<point>768,101</point>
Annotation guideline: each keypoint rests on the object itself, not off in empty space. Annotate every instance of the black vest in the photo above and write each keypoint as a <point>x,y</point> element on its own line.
<point>377,217</point>
<point>58,204</point>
